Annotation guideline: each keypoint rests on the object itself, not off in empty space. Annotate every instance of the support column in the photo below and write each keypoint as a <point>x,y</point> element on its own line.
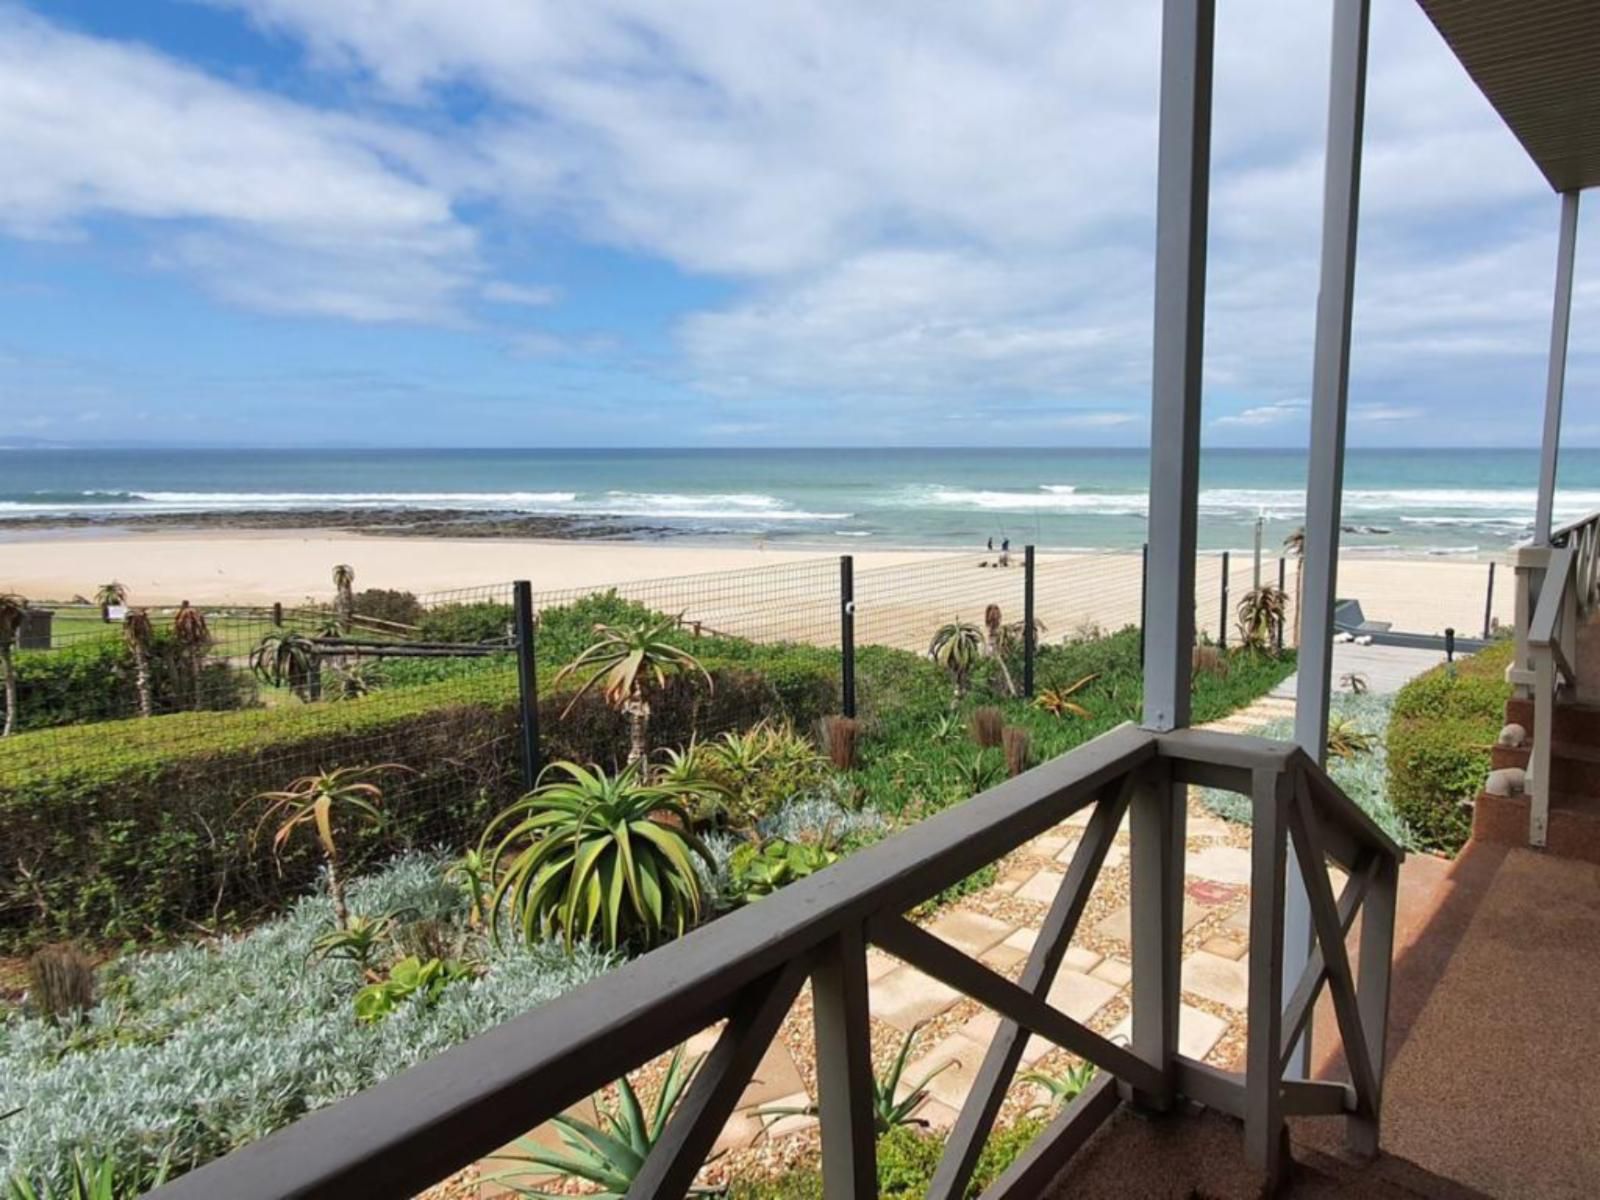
<point>1182,199</point>
<point>1330,393</point>
<point>1556,381</point>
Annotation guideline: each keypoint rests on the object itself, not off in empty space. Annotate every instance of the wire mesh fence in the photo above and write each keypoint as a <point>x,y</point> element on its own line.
<point>130,799</point>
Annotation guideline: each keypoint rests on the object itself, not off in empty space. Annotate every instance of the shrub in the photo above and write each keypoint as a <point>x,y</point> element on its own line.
<point>483,621</point>
<point>386,604</point>
<point>96,681</point>
<point>988,724</point>
<point>1439,741</point>
<point>134,828</point>
<point>907,1160</point>
<point>197,1050</point>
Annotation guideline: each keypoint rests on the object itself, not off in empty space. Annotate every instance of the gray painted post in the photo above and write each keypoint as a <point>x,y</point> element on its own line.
<point>844,1069</point>
<point>1222,623</point>
<point>1157,827</point>
<point>1556,380</point>
<point>1183,186</point>
<point>1488,605</point>
<point>1330,387</point>
<point>1144,594</point>
<point>847,635</point>
<point>1029,636</point>
<point>527,680</point>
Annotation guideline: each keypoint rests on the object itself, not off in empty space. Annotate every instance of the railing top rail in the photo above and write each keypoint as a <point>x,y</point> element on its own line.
<point>1547,614</point>
<point>1560,535</point>
<point>475,1098</point>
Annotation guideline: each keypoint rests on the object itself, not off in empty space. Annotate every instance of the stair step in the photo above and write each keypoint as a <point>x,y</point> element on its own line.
<point>1574,722</point>
<point>1574,830</point>
<point>1574,767</point>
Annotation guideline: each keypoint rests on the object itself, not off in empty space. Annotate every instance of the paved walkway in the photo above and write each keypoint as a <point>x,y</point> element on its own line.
<point>998,927</point>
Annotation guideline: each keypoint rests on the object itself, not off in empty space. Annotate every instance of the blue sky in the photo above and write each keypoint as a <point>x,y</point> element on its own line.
<point>508,222</point>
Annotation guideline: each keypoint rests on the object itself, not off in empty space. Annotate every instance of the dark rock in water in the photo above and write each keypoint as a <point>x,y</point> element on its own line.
<point>1378,530</point>
<point>381,522</point>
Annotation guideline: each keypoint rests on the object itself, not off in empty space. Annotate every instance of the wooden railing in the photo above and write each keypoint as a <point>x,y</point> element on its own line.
<point>1557,590</point>
<point>747,968</point>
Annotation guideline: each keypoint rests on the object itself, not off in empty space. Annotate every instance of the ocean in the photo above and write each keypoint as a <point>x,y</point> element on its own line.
<point>1436,502</point>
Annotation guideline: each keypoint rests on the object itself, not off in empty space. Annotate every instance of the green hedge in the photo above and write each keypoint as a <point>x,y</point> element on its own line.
<point>135,828</point>
<point>95,681</point>
<point>1440,735</point>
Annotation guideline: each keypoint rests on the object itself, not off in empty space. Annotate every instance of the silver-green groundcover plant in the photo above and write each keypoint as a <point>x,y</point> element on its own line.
<point>194,1051</point>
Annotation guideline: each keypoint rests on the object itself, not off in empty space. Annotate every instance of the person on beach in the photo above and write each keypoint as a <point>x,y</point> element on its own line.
<point>1005,552</point>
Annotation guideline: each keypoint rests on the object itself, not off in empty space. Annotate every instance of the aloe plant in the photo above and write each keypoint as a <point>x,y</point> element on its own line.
<point>108,595</point>
<point>344,580</point>
<point>13,611</point>
<point>194,636</point>
<point>957,647</point>
<point>1065,1087</point>
<point>1261,612</point>
<point>358,940</point>
<point>320,802</point>
<point>589,854</point>
<point>626,662</point>
<point>1058,701</point>
<point>91,1177</point>
<point>139,637</point>
<point>284,658</point>
<point>607,1155</point>
<point>890,1110</point>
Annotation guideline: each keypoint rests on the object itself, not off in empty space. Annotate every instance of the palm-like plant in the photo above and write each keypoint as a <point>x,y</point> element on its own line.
<point>194,636</point>
<point>607,1155</point>
<point>344,582</point>
<point>994,630</point>
<point>625,663</point>
<point>13,612</point>
<point>957,647</point>
<point>1346,740</point>
<point>1295,544</point>
<point>1058,701</point>
<point>1261,614</point>
<point>107,595</point>
<point>359,941</point>
<point>139,636</point>
<point>284,658</point>
<point>320,803</point>
<point>589,853</point>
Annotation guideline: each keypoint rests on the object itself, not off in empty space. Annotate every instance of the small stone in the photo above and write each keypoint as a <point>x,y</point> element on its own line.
<point>1508,781</point>
<point>1512,735</point>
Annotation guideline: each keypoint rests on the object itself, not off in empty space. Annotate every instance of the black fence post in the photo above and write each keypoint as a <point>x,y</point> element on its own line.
<point>1144,596</point>
<point>1029,638</point>
<point>847,635</point>
<point>277,613</point>
<point>1488,605</point>
<point>527,680</point>
<point>1284,596</point>
<point>1222,624</point>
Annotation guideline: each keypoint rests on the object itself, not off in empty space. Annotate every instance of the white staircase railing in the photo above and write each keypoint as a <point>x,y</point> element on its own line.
<point>1558,587</point>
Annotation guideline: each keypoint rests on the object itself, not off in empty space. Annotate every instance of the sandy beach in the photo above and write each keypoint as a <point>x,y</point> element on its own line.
<point>793,591</point>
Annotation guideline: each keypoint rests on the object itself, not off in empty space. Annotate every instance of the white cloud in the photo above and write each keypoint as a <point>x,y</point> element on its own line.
<point>1277,413</point>
<point>268,203</point>
<point>1384,414</point>
<point>500,292</point>
<point>912,202</point>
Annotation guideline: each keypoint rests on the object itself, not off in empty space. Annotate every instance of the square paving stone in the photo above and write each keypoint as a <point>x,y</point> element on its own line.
<point>953,1063</point>
<point>1238,923</point>
<point>1216,978</point>
<point>1023,939</point>
<point>1114,971</point>
<point>970,932</point>
<point>1119,924</point>
<point>775,1075</point>
<point>1224,864</point>
<point>1198,1031</point>
<point>1002,957</point>
<point>1047,845</point>
<point>1225,947</point>
<point>1078,958</point>
<point>879,964</point>
<point>1042,888</point>
<point>1080,996</point>
<point>1208,827</point>
<point>905,997</point>
<point>981,1029</point>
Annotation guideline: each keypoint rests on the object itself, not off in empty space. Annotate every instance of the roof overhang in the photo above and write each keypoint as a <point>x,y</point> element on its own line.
<point>1538,62</point>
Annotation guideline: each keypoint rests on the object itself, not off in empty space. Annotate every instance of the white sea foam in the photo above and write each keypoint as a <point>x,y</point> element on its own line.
<point>736,506</point>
